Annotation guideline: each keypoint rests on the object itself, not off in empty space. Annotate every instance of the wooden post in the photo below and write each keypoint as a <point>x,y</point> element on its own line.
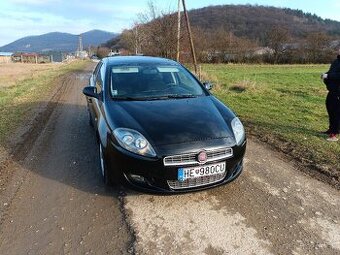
<point>136,39</point>
<point>190,36</point>
<point>199,72</point>
<point>178,29</point>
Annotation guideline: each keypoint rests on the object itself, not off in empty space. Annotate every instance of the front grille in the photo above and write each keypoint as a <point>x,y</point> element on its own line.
<point>184,159</point>
<point>196,182</point>
<point>191,158</point>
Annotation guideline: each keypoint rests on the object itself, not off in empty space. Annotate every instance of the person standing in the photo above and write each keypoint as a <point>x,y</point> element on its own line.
<point>332,81</point>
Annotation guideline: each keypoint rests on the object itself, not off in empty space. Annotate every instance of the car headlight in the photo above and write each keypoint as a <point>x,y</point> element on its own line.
<point>134,141</point>
<point>238,130</point>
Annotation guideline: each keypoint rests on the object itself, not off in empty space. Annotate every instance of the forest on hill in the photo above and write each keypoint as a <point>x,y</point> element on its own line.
<point>253,22</point>
<point>235,33</point>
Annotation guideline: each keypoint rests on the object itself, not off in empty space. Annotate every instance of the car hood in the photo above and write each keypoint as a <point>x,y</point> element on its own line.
<point>174,121</point>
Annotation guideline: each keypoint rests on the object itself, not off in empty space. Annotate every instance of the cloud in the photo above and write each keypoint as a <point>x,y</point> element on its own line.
<point>27,20</point>
<point>336,3</point>
<point>35,17</point>
<point>35,23</point>
<point>34,2</point>
<point>110,7</point>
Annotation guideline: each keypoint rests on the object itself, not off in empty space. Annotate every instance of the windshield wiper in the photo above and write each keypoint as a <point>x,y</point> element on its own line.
<point>149,98</point>
<point>173,96</point>
<point>130,98</point>
<point>181,96</point>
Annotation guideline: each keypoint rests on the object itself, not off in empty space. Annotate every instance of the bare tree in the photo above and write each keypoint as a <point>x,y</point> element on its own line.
<point>157,32</point>
<point>317,47</point>
<point>127,40</point>
<point>219,45</point>
<point>103,52</point>
<point>277,39</point>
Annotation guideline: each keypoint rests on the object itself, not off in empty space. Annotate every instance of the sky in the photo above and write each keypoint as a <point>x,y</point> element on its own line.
<point>20,18</point>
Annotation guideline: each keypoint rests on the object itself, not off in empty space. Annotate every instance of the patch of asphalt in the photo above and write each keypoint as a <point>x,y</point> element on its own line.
<point>190,224</point>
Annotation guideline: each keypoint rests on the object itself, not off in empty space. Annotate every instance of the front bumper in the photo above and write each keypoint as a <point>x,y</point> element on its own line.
<point>150,175</point>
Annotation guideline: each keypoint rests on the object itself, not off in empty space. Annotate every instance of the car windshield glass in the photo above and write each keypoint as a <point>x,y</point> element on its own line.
<point>153,82</point>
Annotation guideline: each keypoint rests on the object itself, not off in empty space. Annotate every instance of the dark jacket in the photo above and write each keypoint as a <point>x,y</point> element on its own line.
<point>333,80</point>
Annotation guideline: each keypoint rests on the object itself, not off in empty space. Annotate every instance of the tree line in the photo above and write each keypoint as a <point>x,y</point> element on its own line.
<point>155,33</point>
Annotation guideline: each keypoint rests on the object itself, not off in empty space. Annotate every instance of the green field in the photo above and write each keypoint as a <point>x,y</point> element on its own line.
<point>283,105</point>
<point>19,100</point>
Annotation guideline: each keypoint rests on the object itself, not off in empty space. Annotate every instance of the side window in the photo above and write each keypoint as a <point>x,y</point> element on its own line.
<point>98,78</point>
<point>94,74</point>
<point>103,74</point>
<point>97,68</point>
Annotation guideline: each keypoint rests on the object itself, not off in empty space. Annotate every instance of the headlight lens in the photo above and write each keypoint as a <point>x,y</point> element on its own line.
<point>134,141</point>
<point>238,130</point>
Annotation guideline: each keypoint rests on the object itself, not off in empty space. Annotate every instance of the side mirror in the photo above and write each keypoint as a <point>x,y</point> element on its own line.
<point>90,92</point>
<point>208,85</point>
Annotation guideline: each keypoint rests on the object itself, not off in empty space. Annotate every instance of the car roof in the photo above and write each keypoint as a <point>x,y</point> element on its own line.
<point>138,60</point>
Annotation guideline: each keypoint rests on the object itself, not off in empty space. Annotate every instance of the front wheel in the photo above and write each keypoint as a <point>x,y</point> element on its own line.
<point>104,171</point>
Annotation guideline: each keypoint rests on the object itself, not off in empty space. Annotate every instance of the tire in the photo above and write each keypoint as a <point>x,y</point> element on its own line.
<point>103,168</point>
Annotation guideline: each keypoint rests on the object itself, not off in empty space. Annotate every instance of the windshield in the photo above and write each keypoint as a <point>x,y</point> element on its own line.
<point>153,82</point>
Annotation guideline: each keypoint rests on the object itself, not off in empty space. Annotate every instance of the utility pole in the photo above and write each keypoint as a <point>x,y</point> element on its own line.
<point>178,29</point>
<point>80,43</point>
<point>190,36</point>
<point>136,39</point>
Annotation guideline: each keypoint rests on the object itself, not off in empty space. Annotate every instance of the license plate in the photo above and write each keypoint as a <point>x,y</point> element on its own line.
<point>200,171</point>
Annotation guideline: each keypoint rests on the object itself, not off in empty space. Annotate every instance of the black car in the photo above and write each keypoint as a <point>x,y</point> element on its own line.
<point>159,128</point>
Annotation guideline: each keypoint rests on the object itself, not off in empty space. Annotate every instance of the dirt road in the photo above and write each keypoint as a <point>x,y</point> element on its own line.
<point>59,204</point>
<point>56,203</point>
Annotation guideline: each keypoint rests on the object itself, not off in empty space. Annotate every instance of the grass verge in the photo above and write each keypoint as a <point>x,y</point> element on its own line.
<point>283,105</point>
<point>18,100</point>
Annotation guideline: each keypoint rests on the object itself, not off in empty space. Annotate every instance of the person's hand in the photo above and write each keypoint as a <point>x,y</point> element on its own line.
<point>324,76</point>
